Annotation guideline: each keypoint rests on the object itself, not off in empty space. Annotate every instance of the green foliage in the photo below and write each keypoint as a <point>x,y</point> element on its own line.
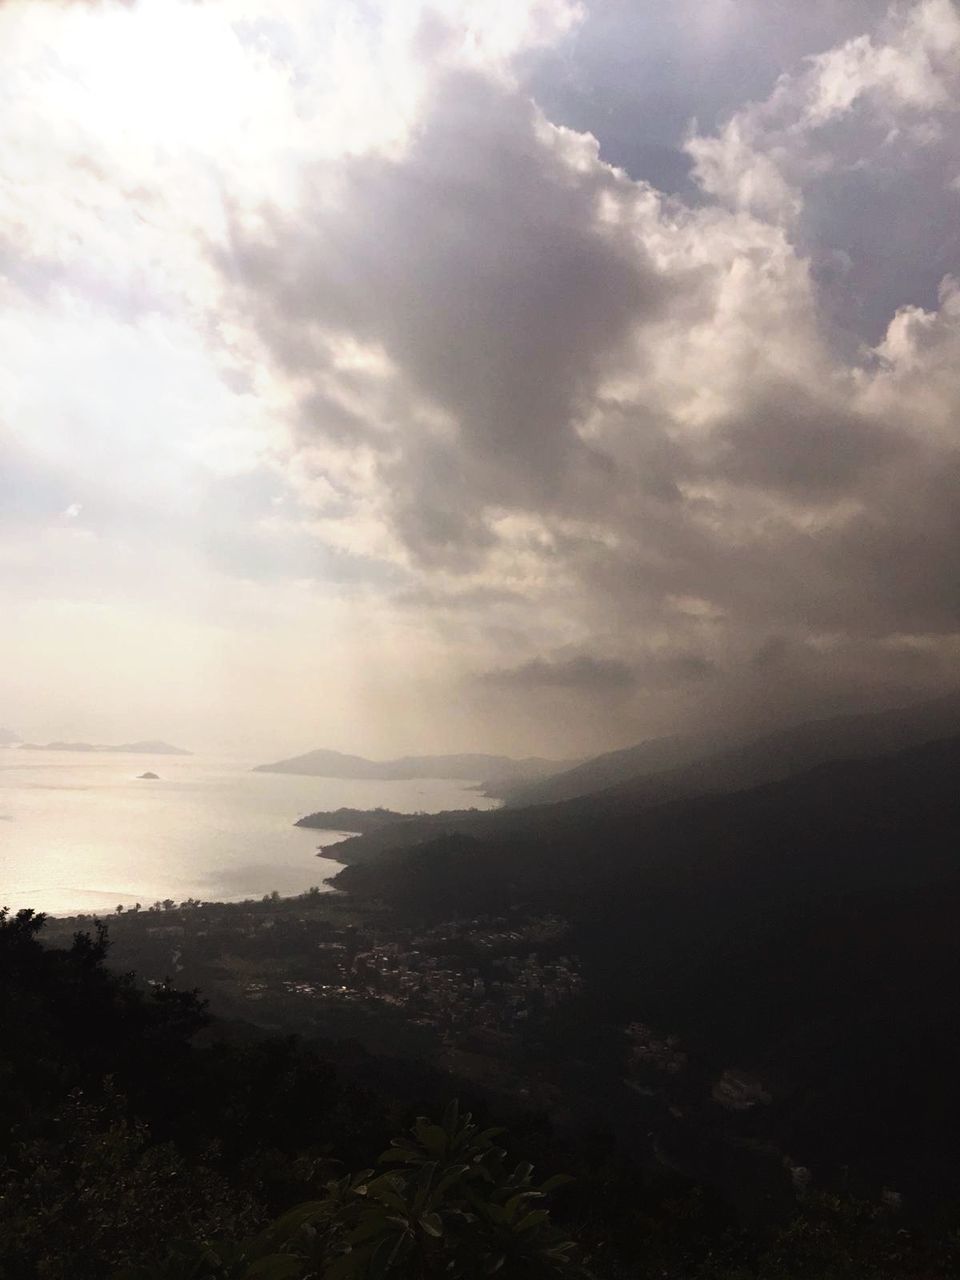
<point>827,1237</point>
<point>92,1191</point>
<point>118,1132</point>
<point>844,1238</point>
<point>443,1201</point>
<point>130,1147</point>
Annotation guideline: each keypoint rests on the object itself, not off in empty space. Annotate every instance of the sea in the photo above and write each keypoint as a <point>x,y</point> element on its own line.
<point>80,832</point>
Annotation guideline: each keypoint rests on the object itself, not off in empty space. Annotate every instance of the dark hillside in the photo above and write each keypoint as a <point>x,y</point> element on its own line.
<point>800,931</point>
<point>601,772</point>
<point>669,768</point>
<point>649,775</point>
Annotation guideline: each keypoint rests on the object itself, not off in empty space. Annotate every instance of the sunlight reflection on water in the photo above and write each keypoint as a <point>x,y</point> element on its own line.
<point>84,833</point>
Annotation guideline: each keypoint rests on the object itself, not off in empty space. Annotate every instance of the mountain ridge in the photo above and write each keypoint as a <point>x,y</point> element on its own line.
<point>769,758</point>
<point>693,763</point>
<point>478,767</point>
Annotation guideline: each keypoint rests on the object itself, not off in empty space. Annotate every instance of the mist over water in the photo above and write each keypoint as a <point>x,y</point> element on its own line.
<point>84,833</point>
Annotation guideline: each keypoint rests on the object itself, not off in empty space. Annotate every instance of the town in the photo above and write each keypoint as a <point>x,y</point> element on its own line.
<point>467,995</point>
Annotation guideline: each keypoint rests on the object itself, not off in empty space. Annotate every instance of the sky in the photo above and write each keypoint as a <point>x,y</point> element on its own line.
<point>521,375</point>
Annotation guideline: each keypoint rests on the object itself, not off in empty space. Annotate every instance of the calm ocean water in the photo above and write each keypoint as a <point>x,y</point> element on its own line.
<point>81,832</point>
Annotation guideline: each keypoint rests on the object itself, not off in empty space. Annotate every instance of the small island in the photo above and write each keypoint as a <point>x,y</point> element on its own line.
<point>153,777</point>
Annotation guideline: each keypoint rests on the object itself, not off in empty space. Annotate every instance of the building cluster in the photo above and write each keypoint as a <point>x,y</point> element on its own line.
<point>478,985</point>
<point>456,992</point>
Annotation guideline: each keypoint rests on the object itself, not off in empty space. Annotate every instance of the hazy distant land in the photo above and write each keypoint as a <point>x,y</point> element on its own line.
<point>469,767</point>
<point>123,748</point>
<point>650,774</point>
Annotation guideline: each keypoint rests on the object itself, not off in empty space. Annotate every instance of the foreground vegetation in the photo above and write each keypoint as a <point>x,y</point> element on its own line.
<point>138,1139</point>
<point>442,1202</point>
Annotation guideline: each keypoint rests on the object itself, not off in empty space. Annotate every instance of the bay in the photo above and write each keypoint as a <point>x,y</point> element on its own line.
<point>83,833</point>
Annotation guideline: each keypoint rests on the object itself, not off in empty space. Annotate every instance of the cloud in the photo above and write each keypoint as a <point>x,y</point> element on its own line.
<point>370,323</point>
<point>870,124</point>
<point>865,101</point>
<point>477,264</point>
<point>609,400</point>
<point>634,75</point>
<point>599,676</point>
<point>582,673</point>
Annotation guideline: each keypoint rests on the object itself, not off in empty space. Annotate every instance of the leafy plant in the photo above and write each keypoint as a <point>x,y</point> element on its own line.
<point>444,1201</point>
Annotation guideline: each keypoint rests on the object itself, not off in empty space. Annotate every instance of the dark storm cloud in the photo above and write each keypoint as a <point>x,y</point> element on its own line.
<point>588,674</point>
<point>638,413</point>
<point>792,440</point>
<point>475,261</point>
<point>583,673</point>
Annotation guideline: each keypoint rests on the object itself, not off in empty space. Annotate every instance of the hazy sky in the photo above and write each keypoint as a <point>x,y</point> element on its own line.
<point>508,374</point>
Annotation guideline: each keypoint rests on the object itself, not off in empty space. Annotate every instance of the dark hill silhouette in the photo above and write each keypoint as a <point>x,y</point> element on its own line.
<point>601,772</point>
<point>356,820</point>
<point>774,756</point>
<point>666,768</point>
<point>737,842</point>
<point>801,932</point>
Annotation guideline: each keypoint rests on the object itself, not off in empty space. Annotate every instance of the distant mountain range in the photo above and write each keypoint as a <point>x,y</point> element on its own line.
<point>670,768</point>
<point>128,748</point>
<point>664,770</point>
<point>467,768</point>
<point>596,774</point>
